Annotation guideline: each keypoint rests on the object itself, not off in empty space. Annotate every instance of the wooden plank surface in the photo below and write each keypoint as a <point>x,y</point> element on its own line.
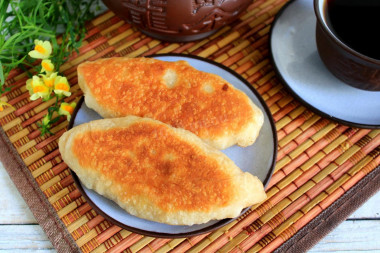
<point>352,236</point>
<point>19,231</point>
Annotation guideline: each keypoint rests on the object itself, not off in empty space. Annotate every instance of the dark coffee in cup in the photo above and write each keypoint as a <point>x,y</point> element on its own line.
<point>347,40</point>
<point>356,23</point>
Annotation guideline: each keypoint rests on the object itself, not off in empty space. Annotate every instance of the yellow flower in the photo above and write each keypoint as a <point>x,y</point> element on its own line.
<point>47,66</point>
<point>30,83</point>
<point>42,49</point>
<point>61,86</point>
<point>2,104</point>
<point>67,109</point>
<point>40,91</point>
<point>49,80</point>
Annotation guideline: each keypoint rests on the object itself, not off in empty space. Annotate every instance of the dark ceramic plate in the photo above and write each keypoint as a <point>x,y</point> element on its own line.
<point>259,159</point>
<point>297,63</point>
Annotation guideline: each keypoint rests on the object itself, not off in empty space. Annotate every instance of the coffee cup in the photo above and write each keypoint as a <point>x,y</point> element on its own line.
<point>347,40</point>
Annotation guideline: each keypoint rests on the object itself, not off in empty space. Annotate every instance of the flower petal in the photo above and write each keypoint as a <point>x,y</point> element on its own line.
<point>42,50</point>
<point>36,55</point>
<point>47,66</point>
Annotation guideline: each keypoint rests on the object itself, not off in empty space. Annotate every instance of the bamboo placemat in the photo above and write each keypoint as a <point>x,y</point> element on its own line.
<point>322,166</point>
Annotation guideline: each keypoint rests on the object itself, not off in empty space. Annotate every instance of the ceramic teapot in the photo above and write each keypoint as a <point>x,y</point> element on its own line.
<point>178,20</point>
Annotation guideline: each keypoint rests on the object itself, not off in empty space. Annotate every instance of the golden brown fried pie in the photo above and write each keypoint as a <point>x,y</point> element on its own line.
<point>158,172</point>
<point>174,93</point>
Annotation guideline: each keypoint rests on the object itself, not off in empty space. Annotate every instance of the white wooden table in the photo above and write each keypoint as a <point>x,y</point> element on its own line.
<point>19,231</point>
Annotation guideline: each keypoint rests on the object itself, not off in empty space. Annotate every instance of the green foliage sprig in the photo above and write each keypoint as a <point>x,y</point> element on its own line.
<point>29,25</point>
<point>21,22</point>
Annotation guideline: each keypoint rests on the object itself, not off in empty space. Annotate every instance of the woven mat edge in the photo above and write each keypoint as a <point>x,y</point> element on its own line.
<point>335,214</point>
<point>42,210</point>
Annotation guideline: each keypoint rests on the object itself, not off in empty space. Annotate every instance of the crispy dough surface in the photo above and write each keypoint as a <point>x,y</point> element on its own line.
<point>174,93</point>
<point>157,172</point>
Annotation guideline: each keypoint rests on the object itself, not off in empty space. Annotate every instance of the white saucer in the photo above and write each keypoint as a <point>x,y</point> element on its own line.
<point>297,63</point>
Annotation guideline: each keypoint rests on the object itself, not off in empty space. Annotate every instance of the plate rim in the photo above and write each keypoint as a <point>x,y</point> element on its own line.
<point>216,225</point>
<point>297,96</point>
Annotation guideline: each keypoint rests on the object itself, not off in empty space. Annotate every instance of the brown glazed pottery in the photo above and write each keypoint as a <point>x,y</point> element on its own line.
<point>346,64</point>
<point>178,20</point>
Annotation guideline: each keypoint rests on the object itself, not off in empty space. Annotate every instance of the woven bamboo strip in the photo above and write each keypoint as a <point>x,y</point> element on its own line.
<point>256,54</point>
<point>304,199</point>
<point>274,99</point>
<point>33,158</point>
<point>104,232</point>
<point>77,223</point>
<point>107,244</point>
<point>17,88</point>
<point>198,46</point>
<point>21,142</point>
<point>231,37</point>
<point>211,237</point>
<point>14,131</point>
<point>169,48</point>
<point>155,50</point>
<point>268,93</point>
<point>109,241</point>
<point>102,18</point>
<point>120,36</point>
<point>48,157</point>
<point>143,49</point>
<point>112,27</point>
<point>67,209</point>
<point>46,183</point>
<point>188,243</point>
<point>254,21</point>
<point>11,124</point>
<point>124,243</point>
<point>357,176</point>
<point>225,237</point>
<point>288,159</point>
<point>282,118</point>
<point>92,223</point>
<point>84,49</point>
<point>71,217</point>
<point>43,160</point>
<point>50,139</point>
<point>59,195</point>
<point>47,172</point>
<point>252,9</point>
<point>50,172</point>
<point>86,238</point>
<point>58,183</point>
<point>154,245</point>
<point>42,169</point>
<point>327,199</point>
<point>272,202</point>
<point>216,38</point>
<point>170,245</point>
<point>265,79</point>
<point>288,143</point>
<point>140,244</point>
<point>125,48</point>
<point>7,111</point>
<point>256,77</point>
<point>27,146</point>
<point>62,201</point>
<point>231,53</point>
<point>54,189</point>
